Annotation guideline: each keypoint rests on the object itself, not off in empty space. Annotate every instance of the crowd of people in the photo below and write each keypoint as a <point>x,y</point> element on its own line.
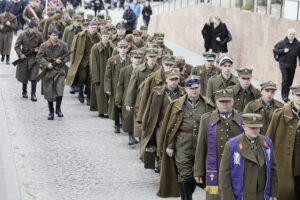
<point>196,126</point>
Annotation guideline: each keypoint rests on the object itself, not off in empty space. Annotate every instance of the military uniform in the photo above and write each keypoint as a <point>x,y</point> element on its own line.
<point>179,132</point>
<point>6,34</point>
<point>79,73</point>
<point>284,131</point>
<point>50,22</point>
<point>266,110</point>
<point>99,58</point>
<point>248,166</point>
<point>69,34</point>
<point>54,80</point>
<point>138,76</point>
<point>29,68</point>
<point>185,69</point>
<point>215,130</point>
<point>27,12</point>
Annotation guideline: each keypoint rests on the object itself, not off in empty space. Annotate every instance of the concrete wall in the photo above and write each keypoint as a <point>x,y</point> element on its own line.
<point>254,36</point>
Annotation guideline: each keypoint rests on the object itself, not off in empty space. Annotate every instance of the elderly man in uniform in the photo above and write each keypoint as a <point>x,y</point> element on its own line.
<point>121,91</point>
<point>178,139</point>
<point>8,23</point>
<point>54,80</point>
<point>121,30</point>
<point>216,128</point>
<point>28,43</point>
<point>138,76</point>
<point>244,92</point>
<point>100,54</point>
<point>223,80</point>
<point>248,169</point>
<point>79,73</point>
<point>155,79</point>
<point>207,70</point>
<point>284,131</point>
<point>158,101</point>
<point>266,105</point>
<point>111,78</point>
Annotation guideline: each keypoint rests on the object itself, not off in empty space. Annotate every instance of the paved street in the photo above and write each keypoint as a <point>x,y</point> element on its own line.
<point>74,158</point>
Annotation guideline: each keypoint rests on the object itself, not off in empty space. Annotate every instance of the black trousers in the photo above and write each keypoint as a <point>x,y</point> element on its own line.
<point>297,187</point>
<point>287,80</point>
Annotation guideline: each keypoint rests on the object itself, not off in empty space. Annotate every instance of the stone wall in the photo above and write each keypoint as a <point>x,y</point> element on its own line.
<point>254,36</point>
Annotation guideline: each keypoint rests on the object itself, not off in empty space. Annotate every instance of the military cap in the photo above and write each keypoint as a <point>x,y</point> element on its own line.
<point>151,52</point>
<point>81,13</point>
<point>158,42</point>
<point>168,59</point>
<point>129,38</point>
<point>159,35</point>
<point>252,120</point>
<point>245,72</point>
<point>137,32</point>
<point>296,89</point>
<point>77,18</point>
<point>150,39</point>
<point>192,81</point>
<point>32,24</point>
<point>173,73</point>
<point>123,43</point>
<point>179,60</point>
<point>93,24</point>
<point>145,28</point>
<point>90,17</point>
<point>137,53</point>
<point>57,16</point>
<point>268,85</point>
<point>120,25</point>
<point>50,13</point>
<point>100,16</point>
<point>209,56</point>
<point>105,32</point>
<point>225,59</point>
<point>53,29</point>
<point>224,95</point>
<point>102,21</point>
<point>85,23</point>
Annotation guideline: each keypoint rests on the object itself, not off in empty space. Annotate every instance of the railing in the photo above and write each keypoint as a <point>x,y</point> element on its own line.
<point>289,9</point>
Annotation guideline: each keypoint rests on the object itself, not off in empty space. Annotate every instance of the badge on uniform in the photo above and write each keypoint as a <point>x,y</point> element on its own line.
<point>237,158</point>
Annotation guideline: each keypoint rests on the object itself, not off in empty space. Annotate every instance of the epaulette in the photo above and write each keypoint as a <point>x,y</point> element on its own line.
<point>48,44</point>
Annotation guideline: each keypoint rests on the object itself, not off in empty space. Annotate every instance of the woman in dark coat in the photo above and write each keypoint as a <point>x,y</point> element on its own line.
<point>206,33</point>
<point>220,36</point>
<point>129,18</point>
<point>146,12</point>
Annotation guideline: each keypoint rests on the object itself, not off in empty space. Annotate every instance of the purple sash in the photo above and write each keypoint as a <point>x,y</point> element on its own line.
<point>237,163</point>
<point>211,162</point>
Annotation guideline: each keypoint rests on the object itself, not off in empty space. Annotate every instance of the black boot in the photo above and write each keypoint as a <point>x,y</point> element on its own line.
<point>33,90</point>
<point>24,90</point>
<point>51,111</point>
<point>72,91</point>
<point>80,95</point>
<point>117,128</point>
<point>183,191</point>
<point>7,59</point>
<point>88,97</point>
<point>2,57</point>
<point>157,168</point>
<point>131,141</point>
<point>191,186</point>
<point>58,105</point>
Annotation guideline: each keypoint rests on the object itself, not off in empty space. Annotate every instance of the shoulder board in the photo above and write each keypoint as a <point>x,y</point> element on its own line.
<point>47,44</point>
<point>241,146</point>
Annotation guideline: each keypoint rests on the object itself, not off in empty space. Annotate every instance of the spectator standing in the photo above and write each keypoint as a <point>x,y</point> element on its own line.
<point>287,50</point>
<point>2,5</point>
<point>136,7</point>
<point>129,19</point>
<point>206,33</point>
<point>16,9</point>
<point>146,12</point>
<point>220,36</point>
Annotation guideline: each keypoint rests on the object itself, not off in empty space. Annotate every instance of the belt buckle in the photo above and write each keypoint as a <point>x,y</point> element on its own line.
<point>195,131</point>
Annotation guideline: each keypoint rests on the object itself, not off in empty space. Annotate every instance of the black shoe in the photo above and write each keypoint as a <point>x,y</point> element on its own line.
<point>51,116</point>
<point>24,95</point>
<point>59,113</point>
<point>183,191</point>
<point>157,169</point>
<point>33,90</point>
<point>24,91</point>
<point>285,99</point>
<point>131,141</point>
<point>88,101</point>
<point>117,129</point>
<point>80,95</point>
<point>7,59</point>
<point>72,91</point>
<point>105,116</point>
<point>101,115</point>
<point>58,107</point>
<point>2,58</point>
<point>75,88</point>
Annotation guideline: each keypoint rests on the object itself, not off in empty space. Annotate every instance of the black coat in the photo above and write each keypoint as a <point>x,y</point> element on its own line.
<point>222,32</point>
<point>16,8</point>
<point>97,4</point>
<point>289,59</point>
<point>206,33</point>
<point>76,3</point>
<point>129,16</point>
<point>2,5</point>
<point>147,12</point>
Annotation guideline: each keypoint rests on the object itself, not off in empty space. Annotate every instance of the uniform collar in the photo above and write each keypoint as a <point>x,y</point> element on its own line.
<point>215,117</point>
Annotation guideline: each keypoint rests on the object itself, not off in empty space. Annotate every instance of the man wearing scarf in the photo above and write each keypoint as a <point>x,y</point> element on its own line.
<point>284,131</point>
<point>248,168</point>
<point>266,105</point>
<point>178,139</point>
<point>216,128</point>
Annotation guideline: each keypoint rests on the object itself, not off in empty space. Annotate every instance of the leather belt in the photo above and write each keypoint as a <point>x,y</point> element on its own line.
<point>191,131</point>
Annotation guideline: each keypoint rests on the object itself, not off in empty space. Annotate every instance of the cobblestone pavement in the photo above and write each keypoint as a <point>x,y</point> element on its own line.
<point>77,157</point>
